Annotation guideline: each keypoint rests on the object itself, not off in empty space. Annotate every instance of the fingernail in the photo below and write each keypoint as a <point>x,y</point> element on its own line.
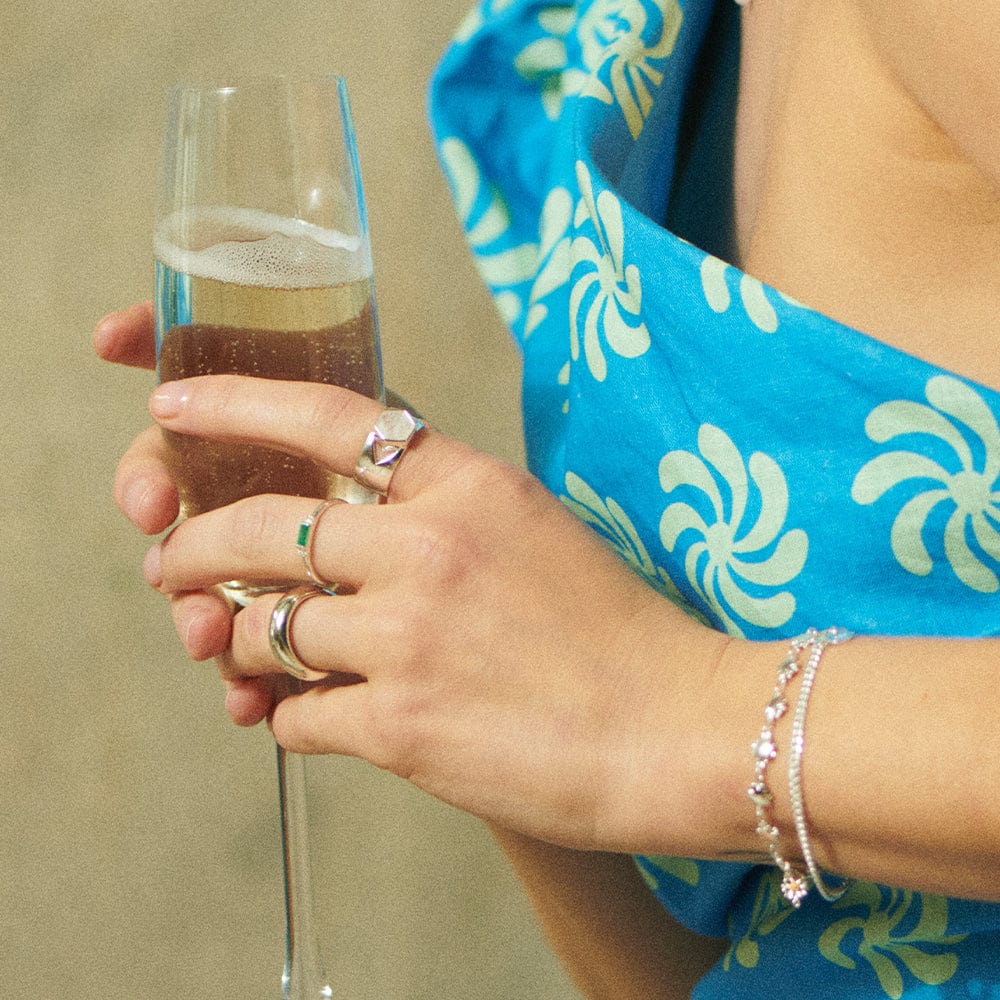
<point>135,497</point>
<point>151,567</point>
<point>168,400</point>
<point>197,638</point>
<point>100,335</point>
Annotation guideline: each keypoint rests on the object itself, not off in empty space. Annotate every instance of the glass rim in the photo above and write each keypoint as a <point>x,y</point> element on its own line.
<point>233,83</point>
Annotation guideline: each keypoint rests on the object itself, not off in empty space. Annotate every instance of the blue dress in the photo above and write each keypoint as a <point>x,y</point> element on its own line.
<point>757,462</point>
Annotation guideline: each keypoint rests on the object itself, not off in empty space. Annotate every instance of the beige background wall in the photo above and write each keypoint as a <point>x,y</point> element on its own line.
<point>138,829</point>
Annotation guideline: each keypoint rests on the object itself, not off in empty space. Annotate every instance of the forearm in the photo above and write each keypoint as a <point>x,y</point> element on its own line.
<point>613,938</point>
<point>902,765</point>
<point>900,775</point>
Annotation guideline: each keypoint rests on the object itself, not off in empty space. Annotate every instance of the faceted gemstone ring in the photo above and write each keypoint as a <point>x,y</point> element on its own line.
<point>384,447</point>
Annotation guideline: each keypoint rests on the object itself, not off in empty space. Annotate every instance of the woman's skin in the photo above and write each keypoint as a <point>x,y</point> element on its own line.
<point>498,655</point>
<point>868,168</point>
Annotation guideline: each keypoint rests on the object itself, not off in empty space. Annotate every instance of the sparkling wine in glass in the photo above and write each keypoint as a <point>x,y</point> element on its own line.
<point>263,267</point>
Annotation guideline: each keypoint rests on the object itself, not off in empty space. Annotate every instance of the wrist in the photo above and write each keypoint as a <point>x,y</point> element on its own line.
<point>687,794</point>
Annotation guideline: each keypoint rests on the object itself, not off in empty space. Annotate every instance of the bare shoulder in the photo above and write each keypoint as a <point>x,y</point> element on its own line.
<point>945,55</point>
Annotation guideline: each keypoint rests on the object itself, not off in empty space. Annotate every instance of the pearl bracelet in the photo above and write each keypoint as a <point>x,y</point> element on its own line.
<point>795,884</point>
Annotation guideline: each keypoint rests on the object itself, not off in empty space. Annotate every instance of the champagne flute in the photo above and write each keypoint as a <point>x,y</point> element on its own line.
<point>263,267</point>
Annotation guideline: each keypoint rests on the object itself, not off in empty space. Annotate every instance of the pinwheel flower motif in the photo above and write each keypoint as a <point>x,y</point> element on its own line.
<point>760,312</point>
<point>652,866</point>
<point>612,33</point>
<point>616,31</point>
<point>880,938</point>
<point>477,17</point>
<point>553,255</point>
<point>486,218</point>
<point>770,910</point>
<point>606,300</point>
<point>736,564</point>
<point>608,517</point>
<point>967,484</point>
<point>545,61</point>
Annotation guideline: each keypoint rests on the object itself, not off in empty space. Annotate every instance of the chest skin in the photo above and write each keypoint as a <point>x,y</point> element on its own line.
<point>852,199</point>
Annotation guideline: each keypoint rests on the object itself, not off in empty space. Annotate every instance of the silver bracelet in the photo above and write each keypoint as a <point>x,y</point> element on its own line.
<point>795,884</point>
<point>831,637</point>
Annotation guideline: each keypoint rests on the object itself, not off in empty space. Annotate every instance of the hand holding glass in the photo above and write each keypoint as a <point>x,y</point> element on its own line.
<point>263,267</point>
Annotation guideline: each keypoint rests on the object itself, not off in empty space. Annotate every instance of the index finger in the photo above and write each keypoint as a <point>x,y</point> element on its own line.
<point>314,420</point>
<point>126,337</point>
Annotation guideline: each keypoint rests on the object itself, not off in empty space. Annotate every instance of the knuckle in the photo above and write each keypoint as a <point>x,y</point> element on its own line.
<point>403,703</point>
<point>330,417</point>
<point>509,490</point>
<point>516,489</point>
<point>444,554</point>
<point>250,625</point>
<point>398,722</point>
<point>327,406</point>
<point>483,472</point>
<point>252,524</point>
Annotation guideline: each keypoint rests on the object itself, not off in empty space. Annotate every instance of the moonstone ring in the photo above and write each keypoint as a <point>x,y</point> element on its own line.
<point>384,447</point>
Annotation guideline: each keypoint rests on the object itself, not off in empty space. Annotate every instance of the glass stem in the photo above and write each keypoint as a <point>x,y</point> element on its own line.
<point>303,978</point>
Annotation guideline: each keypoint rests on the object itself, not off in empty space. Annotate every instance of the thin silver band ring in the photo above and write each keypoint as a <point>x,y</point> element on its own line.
<point>304,543</point>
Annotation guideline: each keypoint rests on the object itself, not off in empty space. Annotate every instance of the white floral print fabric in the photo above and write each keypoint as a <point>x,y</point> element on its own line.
<point>606,301</point>
<point>965,480</point>
<point>736,563</point>
<point>757,463</point>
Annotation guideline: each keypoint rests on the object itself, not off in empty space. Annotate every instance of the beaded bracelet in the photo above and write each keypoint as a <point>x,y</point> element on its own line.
<point>795,884</point>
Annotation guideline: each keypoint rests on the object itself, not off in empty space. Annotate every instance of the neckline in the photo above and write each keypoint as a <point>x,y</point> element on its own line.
<point>700,211</point>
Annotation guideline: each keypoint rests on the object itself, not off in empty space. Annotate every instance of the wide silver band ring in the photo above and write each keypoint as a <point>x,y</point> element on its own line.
<point>280,637</point>
<point>384,448</point>
<point>304,543</point>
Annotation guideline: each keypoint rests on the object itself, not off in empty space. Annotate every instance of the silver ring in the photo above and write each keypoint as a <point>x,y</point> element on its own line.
<point>384,447</point>
<point>281,640</point>
<point>304,543</point>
